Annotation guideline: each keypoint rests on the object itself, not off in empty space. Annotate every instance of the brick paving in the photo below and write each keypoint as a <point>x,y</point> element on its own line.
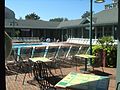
<point>11,84</point>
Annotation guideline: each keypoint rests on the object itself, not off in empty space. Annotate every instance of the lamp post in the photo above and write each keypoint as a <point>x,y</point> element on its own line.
<point>90,31</point>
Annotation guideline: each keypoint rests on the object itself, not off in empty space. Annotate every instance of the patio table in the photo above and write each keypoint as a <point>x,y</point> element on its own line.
<point>41,59</point>
<point>86,57</point>
<point>78,81</point>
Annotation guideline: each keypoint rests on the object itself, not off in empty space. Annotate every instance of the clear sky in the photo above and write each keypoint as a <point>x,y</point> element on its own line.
<point>49,9</point>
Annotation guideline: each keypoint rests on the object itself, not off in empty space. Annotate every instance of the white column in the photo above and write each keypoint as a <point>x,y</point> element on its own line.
<point>95,32</point>
<point>113,31</point>
<point>82,32</point>
<point>62,35</point>
<point>103,31</point>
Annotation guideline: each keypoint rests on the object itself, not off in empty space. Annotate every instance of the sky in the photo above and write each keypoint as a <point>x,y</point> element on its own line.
<point>49,9</point>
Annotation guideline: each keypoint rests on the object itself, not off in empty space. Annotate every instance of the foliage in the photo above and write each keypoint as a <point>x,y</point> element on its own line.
<point>96,48</point>
<point>17,32</point>
<point>106,44</point>
<point>32,16</point>
<point>20,18</point>
<point>86,14</point>
<point>59,19</point>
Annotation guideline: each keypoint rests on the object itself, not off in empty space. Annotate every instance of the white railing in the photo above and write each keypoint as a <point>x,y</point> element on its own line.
<point>85,41</point>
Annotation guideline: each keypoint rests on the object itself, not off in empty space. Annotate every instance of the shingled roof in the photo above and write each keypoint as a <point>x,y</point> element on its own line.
<point>32,24</point>
<point>109,16</point>
<point>105,17</point>
<point>70,23</point>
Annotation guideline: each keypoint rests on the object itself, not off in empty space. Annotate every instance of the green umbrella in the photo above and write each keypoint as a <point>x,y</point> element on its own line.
<point>8,45</point>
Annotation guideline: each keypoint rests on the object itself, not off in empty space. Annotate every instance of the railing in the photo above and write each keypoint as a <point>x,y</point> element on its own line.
<point>85,41</point>
<point>25,39</point>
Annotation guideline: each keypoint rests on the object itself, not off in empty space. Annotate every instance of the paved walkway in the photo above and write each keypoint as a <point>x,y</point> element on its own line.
<point>11,84</point>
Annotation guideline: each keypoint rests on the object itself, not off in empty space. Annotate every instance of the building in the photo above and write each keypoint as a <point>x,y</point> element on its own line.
<point>104,24</point>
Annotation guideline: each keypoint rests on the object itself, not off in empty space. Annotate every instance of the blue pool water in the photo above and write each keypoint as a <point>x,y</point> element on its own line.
<point>19,45</point>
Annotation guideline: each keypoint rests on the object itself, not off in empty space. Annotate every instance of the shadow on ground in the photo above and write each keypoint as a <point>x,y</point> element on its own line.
<point>97,72</point>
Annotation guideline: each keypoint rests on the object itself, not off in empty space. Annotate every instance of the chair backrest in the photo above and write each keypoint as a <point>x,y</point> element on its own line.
<point>13,56</point>
<point>52,50</point>
<point>74,50</point>
<point>83,49</point>
<point>63,51</point>
<point>25,52</point>
<point>41,71</point>
<point>39,51</point>
<point>44,76</point>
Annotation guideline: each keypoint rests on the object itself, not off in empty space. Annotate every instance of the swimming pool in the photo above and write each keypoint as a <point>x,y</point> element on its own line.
<point>19,45</point>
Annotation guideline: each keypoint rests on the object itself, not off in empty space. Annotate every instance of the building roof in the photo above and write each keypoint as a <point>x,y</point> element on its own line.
<point>70,23</point>
<point>109,16</point>
<point>9,14</point>
<point>31,24</point>
<point>105,17</point>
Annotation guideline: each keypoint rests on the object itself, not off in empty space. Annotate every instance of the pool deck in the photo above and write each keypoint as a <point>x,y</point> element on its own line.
<point>11,84</point>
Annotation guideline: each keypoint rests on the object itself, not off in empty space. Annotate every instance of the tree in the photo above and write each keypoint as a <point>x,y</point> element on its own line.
<point>86,14</point>
<point>32,16</point>
<point>20,18</point>
<point>59,19</point>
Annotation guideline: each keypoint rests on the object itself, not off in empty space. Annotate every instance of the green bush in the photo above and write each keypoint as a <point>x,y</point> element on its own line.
<point>106,44</point>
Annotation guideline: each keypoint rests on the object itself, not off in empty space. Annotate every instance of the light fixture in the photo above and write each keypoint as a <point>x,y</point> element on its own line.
<point>99,1</point>
<point>90,31</point>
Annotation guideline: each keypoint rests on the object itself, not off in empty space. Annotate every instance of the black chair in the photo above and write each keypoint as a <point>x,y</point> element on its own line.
<point>52,54</point>
<point>11,61</point>
<point>23,65</point>
<point>44,76</point>
<point>39,51</point>
<point>117,85</point>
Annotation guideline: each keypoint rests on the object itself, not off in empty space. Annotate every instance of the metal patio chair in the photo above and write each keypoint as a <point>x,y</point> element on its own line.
<point>44,76</point>
<point>23,65</point>
<point>11,61</point>
<point>62,55</point>
<point>52,54</point>
<point>40,51</point>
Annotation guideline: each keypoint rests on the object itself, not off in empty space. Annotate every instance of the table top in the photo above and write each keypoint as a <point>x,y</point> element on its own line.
<point>85,56</point>
<point>84,81</point>
<point>42,59</point>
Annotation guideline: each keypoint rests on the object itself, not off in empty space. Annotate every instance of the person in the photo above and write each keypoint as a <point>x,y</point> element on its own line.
<point>48,40</point>
<point>58,40</point>
<point>54,40</point>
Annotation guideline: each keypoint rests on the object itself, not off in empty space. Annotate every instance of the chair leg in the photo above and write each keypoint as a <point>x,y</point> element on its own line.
<point>61,71</point>
<point>24,79</point>
<point>102,69</point>
<point>16,76</point>
<point>117,85</point>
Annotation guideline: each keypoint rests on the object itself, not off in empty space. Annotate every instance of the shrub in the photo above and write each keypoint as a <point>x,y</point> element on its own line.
<point>106,44</point>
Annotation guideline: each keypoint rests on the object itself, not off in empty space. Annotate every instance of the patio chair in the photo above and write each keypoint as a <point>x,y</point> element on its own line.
<point>118,84</point>
<point>83,49</point>
<point>52,54</point>
<point>39,51</point>
<point>62,54</point>
<point>23,65</point>
<point>72,52</point>
<point>98,62</point>
<point>44,76</point>
<point>11,60</point>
